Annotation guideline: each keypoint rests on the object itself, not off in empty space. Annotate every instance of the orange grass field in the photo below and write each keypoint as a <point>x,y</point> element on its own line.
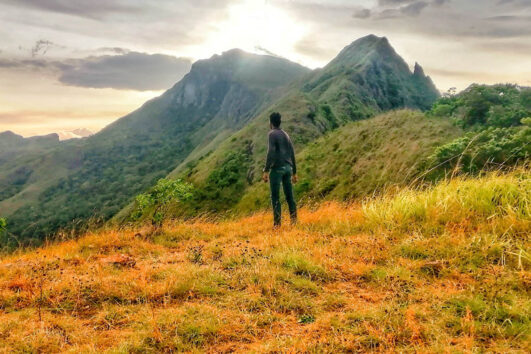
<point>440,270</point>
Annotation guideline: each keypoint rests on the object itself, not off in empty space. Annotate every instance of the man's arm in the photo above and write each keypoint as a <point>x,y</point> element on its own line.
<point>269,158</point>
<point>270,153</point>
<point>293,158</point>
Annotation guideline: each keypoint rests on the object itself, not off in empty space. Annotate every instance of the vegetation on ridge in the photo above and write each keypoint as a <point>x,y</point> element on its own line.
<point>498,123</point>
<point>444,269</point>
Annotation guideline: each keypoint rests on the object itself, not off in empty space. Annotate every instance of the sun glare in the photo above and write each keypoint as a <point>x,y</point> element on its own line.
<point>254,26</point>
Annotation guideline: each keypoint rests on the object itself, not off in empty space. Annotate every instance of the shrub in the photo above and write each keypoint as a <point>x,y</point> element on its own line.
<point>3,225</point>
<point>488,149</point>
<point>154,204</point>
<point>494,106</point>
<point>3,232</point>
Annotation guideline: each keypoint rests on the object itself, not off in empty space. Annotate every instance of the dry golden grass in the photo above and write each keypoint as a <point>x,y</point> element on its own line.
<point>441,270</point>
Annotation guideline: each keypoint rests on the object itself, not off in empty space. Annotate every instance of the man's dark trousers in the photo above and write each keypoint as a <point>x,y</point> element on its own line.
<point>277,176</point>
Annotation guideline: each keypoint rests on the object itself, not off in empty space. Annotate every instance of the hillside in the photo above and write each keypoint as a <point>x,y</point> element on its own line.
<point>23,160</point>
<point>366,78</point>
<point>441,270</point>
<point>482,128</point>
<point>216,113</point>
<point>363,157</point>
<point>97,176</point>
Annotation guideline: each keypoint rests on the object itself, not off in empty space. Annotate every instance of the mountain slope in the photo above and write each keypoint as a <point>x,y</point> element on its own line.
<point>190,131</point>
<point>370,73</point>
<point>366,78</point>
<point>216,98</point>
<point>362,158</point>
<point>17,156</point>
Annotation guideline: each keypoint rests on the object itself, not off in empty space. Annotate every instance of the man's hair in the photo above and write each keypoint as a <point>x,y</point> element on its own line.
<point>275,119</point>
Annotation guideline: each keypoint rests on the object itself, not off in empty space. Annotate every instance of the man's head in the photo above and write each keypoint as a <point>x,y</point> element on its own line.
<point>275,119</point>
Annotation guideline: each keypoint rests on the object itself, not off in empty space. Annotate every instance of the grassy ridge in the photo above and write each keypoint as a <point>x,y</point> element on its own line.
<point>363,157</point>
<point>446,269</point>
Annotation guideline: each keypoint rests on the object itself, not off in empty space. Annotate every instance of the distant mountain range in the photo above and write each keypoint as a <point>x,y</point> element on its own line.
<point>216,114</point>
<point>74,134</point>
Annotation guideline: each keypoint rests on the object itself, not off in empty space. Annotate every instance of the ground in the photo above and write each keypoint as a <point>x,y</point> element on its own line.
<point>439,270</point>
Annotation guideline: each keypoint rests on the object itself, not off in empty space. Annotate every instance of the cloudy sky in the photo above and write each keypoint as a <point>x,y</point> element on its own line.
<point>67,64</point>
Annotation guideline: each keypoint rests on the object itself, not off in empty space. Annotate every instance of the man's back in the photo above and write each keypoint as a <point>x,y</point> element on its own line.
<point>280,151</point>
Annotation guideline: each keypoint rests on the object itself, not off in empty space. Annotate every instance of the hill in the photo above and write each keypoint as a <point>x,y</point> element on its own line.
<point>363,157</point>
<point>443,269</point>
<point>97,176</point>
<point>16,154</point>
<point>365,79</point>
<point>482,128</point>
<point>219,109</point>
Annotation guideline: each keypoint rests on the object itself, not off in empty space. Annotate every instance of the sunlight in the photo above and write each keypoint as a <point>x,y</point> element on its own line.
<point>252,26</point>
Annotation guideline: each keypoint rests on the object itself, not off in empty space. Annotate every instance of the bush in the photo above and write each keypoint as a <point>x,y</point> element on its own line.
<point>493,106</point>
<point>3,231</point>
<point>154,204</point>
<point>490,148</point>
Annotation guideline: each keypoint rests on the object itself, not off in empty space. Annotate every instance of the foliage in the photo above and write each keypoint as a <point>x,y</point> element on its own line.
<point>109,176</point>
<point>225,184</point>
<point>492,148</point>
<point>3,225</point>
<point>3,229</point>
<point>153,205</point>
<point>493,106</point>
<point>4,243</point>
<point>499,132</point>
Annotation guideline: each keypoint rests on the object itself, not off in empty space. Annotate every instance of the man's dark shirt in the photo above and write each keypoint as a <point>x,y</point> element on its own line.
<point>280,151</point>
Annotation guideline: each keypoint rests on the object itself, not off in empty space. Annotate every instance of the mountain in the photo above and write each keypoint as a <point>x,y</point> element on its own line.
<point>366,78</point>
<point>210,129</point>
<point>98,175</point>
<point>15,151</point>
<point>74,134</point>
<point>369,73</point>
<point>11,142</point>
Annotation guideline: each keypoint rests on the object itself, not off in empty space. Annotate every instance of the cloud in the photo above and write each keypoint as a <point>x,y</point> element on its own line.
<point>128,71</point>
<point>161,25</point>
<point>266,51</point>
<point>133,71</point>
<point>115,50</point>
<point>94,9</point>
<point>388,9</point>
<point>520,4</point>
<point>362,13</point>
<point>464,20</point>
<point>309,46</point>
<point>413,9</point>
<point>383,3</point>
<point>25,63</point>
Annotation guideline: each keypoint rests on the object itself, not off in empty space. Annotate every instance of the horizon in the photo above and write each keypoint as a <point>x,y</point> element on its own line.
<point>68,66</point>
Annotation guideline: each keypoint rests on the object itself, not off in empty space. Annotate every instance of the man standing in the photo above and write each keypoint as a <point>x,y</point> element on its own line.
<point>280,168</point>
